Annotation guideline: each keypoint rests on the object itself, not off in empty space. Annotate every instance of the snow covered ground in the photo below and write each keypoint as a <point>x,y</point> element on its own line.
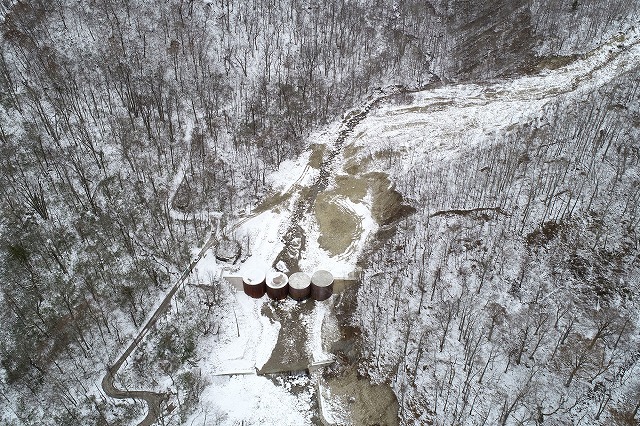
<point>436,122</point>
<point>440,123</point>
<point>108,101</point>
<point>430,144</point>
<point>446,121</point>
<point>247,338</point>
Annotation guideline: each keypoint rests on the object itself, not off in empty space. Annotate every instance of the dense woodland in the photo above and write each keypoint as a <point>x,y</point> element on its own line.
<point>516,298</point>
<point>103,103</point>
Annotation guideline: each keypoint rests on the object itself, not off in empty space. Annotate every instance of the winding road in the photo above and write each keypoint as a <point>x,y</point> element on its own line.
<point>613,57</point>
<point>154,400</point>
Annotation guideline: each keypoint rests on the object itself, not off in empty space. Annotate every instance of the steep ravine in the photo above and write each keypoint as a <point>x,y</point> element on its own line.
<point>444,100</point>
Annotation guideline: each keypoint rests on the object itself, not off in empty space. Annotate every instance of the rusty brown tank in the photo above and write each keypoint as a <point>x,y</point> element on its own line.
<point>321,285</point>
<point>299,286</point>
<point>277,285</point>
<point>253,283</point>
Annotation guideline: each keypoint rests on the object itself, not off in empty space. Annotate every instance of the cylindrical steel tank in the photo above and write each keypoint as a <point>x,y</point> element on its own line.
<point>277,285</point>
<point>321,285</point>
<point>299,286</point>
<point>253,283</point>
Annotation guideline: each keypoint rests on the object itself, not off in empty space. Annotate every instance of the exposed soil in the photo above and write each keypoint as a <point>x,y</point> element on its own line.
<point>355,166</point>
<point>290,352</point>
<point>315,160</point>
<point>339,226</point>
<point>307,200</point>
<point>365,402</point>
<point>553,62</point>
<point>388,204</point>
<point>351,187</point>
<point>272,201</point>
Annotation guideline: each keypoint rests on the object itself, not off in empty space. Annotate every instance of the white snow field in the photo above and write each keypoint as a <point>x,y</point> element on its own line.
<point>440,123</point>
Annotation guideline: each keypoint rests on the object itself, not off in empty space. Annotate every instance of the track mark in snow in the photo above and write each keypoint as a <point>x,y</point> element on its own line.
<point>448,110</point>
<point>451,114</point>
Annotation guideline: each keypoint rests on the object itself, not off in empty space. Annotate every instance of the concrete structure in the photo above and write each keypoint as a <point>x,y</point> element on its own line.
<point>236,281</point>
<point>277,285</point>
<point>227,251</point>
<point>321,285</point>
<point>253,283</point>
<point>299,286</point>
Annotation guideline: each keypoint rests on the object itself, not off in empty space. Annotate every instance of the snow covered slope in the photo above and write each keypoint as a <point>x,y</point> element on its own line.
<point>511,295</point>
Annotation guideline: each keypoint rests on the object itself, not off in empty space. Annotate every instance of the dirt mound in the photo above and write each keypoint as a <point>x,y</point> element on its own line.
<point>339,225</point>
<point>388,204</point>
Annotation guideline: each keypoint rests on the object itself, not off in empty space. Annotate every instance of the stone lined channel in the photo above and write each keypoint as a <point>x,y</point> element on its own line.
<point>294,238</point>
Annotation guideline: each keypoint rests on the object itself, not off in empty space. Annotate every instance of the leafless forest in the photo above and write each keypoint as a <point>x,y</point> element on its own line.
<point>514,290</point>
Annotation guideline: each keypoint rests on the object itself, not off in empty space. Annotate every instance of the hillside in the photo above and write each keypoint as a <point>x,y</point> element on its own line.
<point>511,292</point>
<point>474,165</point>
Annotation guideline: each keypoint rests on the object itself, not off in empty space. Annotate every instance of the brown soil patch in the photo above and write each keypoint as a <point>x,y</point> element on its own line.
<point>368,404</point>
<point>351,150</point>
<point>317,154</point>
<point>554,62</point>
<point>290,352</point>
<point>387,202</point>
<point>352,187</point>
<point>272,201</point>
<point>355,166</point>
<point>338,226</point>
